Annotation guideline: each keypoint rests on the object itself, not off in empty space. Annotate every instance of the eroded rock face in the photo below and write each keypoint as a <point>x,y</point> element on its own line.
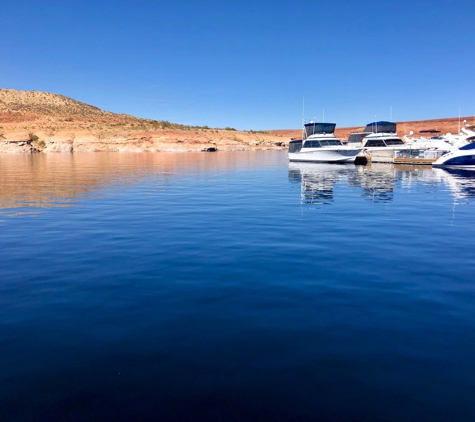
<point>59,146</point>
<point>16,146</point>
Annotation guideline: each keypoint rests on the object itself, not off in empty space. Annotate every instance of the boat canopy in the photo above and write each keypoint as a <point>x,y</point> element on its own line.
<point>313,128</point>
<point>357,137</point>
<point>381,127</point>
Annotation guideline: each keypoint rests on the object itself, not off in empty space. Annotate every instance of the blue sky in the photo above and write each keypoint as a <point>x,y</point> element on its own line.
<point>247,64</point>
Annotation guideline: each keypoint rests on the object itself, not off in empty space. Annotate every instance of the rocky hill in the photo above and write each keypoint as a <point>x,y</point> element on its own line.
<point>41,121</point>
<point>33,121</point>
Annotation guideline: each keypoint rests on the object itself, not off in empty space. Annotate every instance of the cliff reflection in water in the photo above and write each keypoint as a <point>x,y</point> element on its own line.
<point>58,180</point>
<point>377,181</point>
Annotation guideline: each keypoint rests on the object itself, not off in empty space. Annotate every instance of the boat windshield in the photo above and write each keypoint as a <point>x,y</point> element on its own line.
<point>468,146</point>
<point>332,142</point>
<point>375,143</point>
<point>311,144</point>
<point>394,142</point>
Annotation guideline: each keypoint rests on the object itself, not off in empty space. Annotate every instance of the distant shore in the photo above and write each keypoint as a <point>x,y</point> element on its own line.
<point>206,140</point>
<point>34,121</point>
<point>33,137</point>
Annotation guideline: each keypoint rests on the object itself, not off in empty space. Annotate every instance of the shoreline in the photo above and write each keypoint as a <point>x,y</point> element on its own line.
<point>140,141</point>
<point>34,121</point>
<point>70,137</point>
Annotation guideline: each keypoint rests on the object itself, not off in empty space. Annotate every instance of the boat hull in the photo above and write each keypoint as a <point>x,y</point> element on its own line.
<point>325,156</point>
<point>457,159</point>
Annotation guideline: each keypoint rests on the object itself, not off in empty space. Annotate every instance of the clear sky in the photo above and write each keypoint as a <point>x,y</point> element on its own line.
<point>247,64</point>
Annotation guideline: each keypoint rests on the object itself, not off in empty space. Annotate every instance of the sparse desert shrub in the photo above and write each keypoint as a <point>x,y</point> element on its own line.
<point>229,128</point>
<point>41,144</point>
<point>258,131</point>
<point>33,137</point>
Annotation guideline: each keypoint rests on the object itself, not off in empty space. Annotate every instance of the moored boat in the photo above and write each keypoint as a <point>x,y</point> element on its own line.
<point>378,141</point>
<point>464,157</point>
<point>320,145</point>
<point>431,139</point>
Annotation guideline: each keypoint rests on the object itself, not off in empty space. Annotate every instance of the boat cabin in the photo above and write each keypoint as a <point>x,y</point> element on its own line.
<point>382,142</point>
<point>377,134</point>
<point>318,132</point>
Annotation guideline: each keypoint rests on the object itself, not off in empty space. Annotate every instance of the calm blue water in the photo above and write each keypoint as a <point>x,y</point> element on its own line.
<point>234,287</point>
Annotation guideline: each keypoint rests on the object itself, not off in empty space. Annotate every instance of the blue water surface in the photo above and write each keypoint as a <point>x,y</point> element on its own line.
<point>234,287</point>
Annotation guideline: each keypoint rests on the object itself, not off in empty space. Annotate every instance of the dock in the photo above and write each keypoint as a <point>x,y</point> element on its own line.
<point>413,157</point>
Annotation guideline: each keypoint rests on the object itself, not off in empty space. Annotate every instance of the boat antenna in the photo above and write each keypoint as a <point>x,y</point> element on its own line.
<point>303,118</point>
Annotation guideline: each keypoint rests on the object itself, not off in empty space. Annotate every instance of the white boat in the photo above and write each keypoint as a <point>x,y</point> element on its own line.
<point>432,140</point>
<point>464,157</point>
<point>379,141</point>
<point>469,130</point>
<point>319,145</point>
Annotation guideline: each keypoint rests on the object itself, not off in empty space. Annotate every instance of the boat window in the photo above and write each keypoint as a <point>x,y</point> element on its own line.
<point>324,143</point>
<point>394,142</point>
<point>312,144</point>
<point>375,143</point>
<point>334,142</point>
<point>295,146</point>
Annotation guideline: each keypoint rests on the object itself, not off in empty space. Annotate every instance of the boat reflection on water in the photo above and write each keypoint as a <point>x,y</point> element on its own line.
<point>461,182</point>
<point>376,181</point>
<point>317,180</point>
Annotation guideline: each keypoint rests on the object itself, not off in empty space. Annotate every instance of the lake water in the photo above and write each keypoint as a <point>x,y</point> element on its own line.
<point>234,287</point>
